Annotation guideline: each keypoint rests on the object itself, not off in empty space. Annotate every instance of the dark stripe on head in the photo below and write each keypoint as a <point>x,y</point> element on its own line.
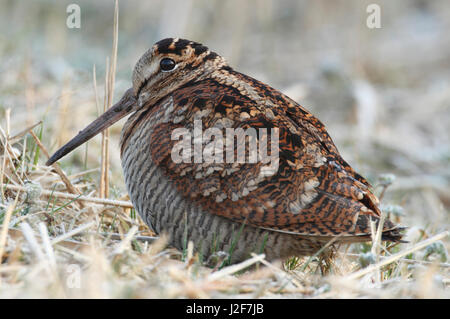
<point>180,45</point>
<point>199,49</point>
<point>170,46</point>
<point>211,56</point>
<point>163,45</point>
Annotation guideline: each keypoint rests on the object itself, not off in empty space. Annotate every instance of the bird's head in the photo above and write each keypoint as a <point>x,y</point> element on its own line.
<point>170,64</point>
<point>166,66</point>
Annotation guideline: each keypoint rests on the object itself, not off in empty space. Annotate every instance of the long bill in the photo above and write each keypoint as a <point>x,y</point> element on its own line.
<point>111,116</point>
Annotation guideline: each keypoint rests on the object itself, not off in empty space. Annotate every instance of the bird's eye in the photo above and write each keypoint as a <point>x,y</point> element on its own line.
<point>167,64</point>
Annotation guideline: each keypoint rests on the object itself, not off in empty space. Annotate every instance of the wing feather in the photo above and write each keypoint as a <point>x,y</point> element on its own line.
<point>313,192</point>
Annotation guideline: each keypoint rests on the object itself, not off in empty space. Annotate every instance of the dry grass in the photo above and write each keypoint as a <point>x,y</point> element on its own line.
<point>64,234</point>
<point>51,247</point>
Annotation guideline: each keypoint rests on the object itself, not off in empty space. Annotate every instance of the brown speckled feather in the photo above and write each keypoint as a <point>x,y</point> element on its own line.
<point>314,191</point>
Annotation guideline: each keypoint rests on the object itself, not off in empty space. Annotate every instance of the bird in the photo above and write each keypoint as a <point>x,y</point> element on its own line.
<point>184,188</point>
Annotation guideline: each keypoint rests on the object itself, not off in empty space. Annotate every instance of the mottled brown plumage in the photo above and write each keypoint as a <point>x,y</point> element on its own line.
<point>312,197</point>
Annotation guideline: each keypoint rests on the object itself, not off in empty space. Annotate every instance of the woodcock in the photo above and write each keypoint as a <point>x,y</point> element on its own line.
<point>311,197</point>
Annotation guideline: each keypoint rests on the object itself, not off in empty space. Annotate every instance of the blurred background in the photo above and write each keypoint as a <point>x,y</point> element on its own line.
<point>383,93</point>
